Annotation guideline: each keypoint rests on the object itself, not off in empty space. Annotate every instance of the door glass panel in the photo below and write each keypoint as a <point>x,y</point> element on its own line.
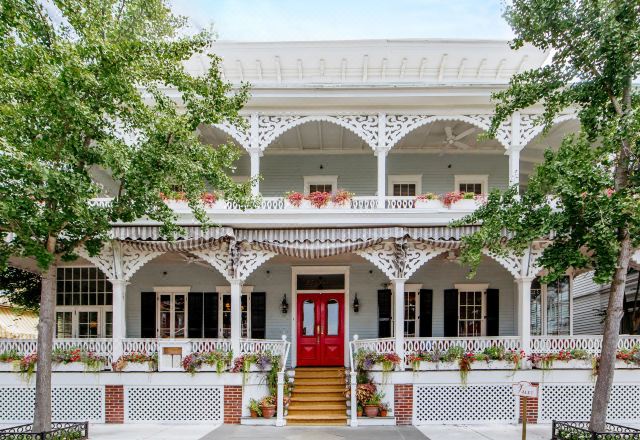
<point>410,314</point>
<point>536,308</point>
<point>165,316</point>
<point>244,321</point>
<point>558,297</point>
<point>226,316</point>
<point>64,325</point>
<point>333,317</point>
<point>108,324</point>
<point>180,323</point>
<point>308,318</point>
<point>88,324</point>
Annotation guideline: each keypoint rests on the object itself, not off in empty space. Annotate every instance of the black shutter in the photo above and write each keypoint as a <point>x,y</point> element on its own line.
<point>210,314</point>
<point>258,315</point>
<point>451,312</point>
<point>194,322</point>
<point>384,313</point>
<point>493,312</point>
<point>148,314</point>
<point>426,311</point>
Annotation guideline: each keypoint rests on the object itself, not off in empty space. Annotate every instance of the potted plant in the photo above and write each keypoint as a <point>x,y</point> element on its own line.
<point>268,406</point>
<point>136,362</point>
<point>76,359</point>
<point>384,409</point>
<point>294,199</point>
<point>9,360</point>
<point>215,360</point>
<point>319,199</point>
<point>628,358</point>
<point>372,405</point>
<point>28,365</point>
<point>254,408</point>
<point>428,201</point>
<point>360,410</point>
<point>342,198</point>
<point>564,360</point>
<point>466,202</point>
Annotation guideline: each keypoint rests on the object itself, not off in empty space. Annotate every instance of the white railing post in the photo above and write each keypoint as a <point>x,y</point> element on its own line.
<point>514,151</point>
<point>524,313</point>
<point>236,330</point>
<point>354,398</point>
<point>280,407</point>
<point>119,324</point>
<point>254,152</point>
<point>381,152</point>
<point>398,317</point>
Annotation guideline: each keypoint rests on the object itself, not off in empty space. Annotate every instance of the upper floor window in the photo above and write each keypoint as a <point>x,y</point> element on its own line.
<point>477,184</point>
<point>320,183</point>
<point>551,307</point>
<point>405,185</point>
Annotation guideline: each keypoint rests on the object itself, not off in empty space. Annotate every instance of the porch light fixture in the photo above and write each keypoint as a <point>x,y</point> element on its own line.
<point>356,304</point>
<point>284,305</point>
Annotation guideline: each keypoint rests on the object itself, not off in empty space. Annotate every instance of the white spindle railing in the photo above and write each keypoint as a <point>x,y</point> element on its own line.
<point>22,346</point>
<point>203,345</point>
<point>275,346</point>
<point>364,203</point>
<point>400,202</point>
<point>590,343</point>
<point>140,345</point>
<point>383,345</point>
<point>469,344</point>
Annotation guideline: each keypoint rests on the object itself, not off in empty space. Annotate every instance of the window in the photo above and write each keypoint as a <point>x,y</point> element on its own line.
<point>411,310</point>
<point>471,309</point>
<point>551,307</point>
<point>224,312</point>
<point>405,185</point>
<point>83,303</point>
<point>477,184</point>
<point>320,183</point>
<point>172,315</point>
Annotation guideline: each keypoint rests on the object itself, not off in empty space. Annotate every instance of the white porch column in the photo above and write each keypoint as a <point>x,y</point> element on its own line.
<point>255,154</point>
<point>280,401</point>
<point>236,294</point>
<point>398,317</point>
<point>119,325</point>
<point>514,166</point>
<point>524,312</point>
<point>382,177</point>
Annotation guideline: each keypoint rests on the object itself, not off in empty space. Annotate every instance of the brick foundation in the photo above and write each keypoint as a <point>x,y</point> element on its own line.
<point>114,404</point>
<point>232,404</point>
<point>403,404</point>
<point>532,408</point>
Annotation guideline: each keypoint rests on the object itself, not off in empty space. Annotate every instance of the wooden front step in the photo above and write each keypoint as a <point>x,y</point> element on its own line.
<point>318,397</point>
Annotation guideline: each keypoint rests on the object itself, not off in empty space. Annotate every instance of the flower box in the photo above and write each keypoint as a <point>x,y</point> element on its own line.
<point>254,368</point>
<point>72,367</point>
<point>436,366</point>
<point>492,365</point>
<point>626,365</point>
<point>8,366</point>
<point>206,368</point>
<point>428,204</point>
<point>573,364</point>
<point>304,204</point>
<point>464,205</point>
<point>143,367</point>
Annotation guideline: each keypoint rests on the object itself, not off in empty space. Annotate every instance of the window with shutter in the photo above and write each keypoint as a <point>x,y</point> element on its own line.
<point>258,315</point>
<point>148,314</point>
<point>384,313</point>
<point>426,311</point>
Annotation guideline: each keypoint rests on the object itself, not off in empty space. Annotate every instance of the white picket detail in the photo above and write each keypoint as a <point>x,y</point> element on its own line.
<point>382,345</point>
<point>22,346</point>
<point>140,345</point>
<point>203,345</point>
<point>400,202</point>
<point>275,346</point>
<point>469,344</point>
<point>590,343</point>
<point>363,203</point>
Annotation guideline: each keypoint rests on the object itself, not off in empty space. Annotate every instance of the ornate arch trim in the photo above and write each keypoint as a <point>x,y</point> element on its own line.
<point>399,126</point>
<point>529,129</point>
<point>238,135</point>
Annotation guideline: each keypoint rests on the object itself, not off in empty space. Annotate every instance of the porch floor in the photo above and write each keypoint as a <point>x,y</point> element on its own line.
<point>238,432</point>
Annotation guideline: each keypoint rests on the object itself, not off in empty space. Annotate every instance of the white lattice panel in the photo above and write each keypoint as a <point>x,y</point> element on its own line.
<point>573,402</point>
<point>457,404</point>
<point>173,404</point>
<point>70,404</point>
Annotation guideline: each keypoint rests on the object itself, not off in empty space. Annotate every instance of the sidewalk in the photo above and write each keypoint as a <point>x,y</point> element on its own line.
<point>145,431</point>
<point>485,432</point>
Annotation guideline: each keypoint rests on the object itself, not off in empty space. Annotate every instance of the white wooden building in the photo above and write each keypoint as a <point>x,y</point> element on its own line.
<point>386,120</point>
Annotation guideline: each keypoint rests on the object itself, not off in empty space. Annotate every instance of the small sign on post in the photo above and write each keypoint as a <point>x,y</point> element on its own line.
<point>524,390</point>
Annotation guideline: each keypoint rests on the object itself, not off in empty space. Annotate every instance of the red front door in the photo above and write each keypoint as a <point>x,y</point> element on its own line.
<point>320,329</point>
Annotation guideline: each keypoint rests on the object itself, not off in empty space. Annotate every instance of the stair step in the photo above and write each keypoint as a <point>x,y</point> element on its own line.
<point>325,413</point>
<point>316,422</point>
<point>320,398</point>
<point>318,382</point>
<point>317,406</point>
<point>316,417</point>
<point>332,374</point>
<point>306,389</point>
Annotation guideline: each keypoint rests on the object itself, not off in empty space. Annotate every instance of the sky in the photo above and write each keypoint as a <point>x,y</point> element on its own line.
<point>277,20</point>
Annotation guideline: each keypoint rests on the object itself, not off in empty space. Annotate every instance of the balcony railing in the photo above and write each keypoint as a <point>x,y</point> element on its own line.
<point>477,344</point>
<point>590,343</point>
<point>357,203</point>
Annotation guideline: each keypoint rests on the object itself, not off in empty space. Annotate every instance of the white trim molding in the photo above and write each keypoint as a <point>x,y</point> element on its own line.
<point>395,179</point>
<point>172,289</point>
<point>478,287</point>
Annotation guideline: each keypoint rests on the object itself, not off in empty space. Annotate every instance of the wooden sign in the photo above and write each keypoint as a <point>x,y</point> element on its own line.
<point>525,389</point>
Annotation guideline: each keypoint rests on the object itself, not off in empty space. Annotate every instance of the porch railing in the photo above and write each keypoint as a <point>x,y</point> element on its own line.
<point>469,344</point>
<point>590,343</point>
<point>99,346</point>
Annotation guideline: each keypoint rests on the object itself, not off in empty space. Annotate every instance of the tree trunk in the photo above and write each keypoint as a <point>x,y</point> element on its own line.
<point>42,412</point>
<point>606,367</point>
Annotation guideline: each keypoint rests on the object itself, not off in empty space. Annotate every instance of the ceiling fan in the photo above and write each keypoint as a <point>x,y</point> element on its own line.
<point>454,141</point>
<point>192,259</point>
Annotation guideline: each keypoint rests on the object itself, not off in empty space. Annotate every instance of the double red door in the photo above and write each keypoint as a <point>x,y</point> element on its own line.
<point>320,329</point>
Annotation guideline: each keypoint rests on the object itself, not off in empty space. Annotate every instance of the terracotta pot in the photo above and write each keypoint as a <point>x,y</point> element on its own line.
<point>268,411</point>
<point>383,413</point>
<point>359,412</point>
<point>371,410</point>
<point>254,414</point>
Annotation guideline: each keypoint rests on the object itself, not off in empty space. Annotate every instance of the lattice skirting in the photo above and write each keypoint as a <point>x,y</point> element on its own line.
<point>173,404</point>
<point>573,402</point>
<point>457,404</point>
<point>70,404</point>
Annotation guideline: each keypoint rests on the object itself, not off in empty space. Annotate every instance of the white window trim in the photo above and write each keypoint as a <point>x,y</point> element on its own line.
<point>172,323</point>
<point>172,289</point>
<point>227,289</point>
<point>320,180</point>
<point>415,288</point>
<point>75,323</point>
<point>543,306</point>
<point>482,179</point>
<point>479,287</point>
<point>415,179</point>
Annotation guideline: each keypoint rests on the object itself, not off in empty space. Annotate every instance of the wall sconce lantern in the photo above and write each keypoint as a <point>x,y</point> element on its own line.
<point>356,304</point>
<point>284,305</point>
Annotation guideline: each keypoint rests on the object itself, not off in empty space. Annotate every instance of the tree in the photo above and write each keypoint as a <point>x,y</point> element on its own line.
<point>84,85</point>
<point>594,176</point>
<point>22,288</point>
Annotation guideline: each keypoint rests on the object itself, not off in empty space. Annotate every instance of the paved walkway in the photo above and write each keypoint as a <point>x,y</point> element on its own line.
<point>134,431</point>
<point>485,432</point>
<point>236,432</point>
